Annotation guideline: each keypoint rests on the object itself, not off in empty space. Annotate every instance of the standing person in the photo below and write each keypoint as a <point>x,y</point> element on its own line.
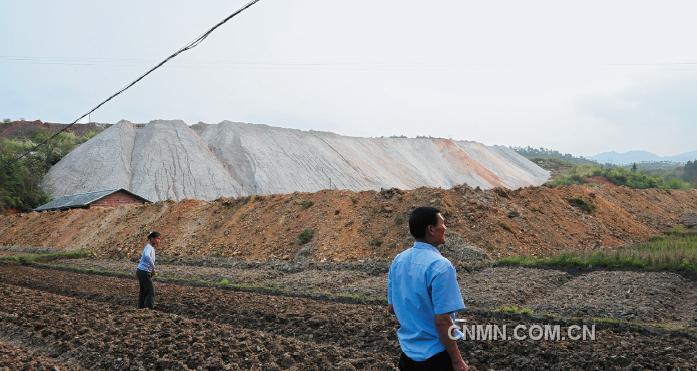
<point>145,271</point>
<point>423,293</point>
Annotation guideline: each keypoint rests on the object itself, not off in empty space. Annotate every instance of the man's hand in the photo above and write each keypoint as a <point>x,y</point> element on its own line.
<point>443,324</point>
<point>390,309</point>
<point>460,365</point>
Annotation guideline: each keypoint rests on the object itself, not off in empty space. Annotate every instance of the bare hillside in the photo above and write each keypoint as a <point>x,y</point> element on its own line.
<point>348,225</point>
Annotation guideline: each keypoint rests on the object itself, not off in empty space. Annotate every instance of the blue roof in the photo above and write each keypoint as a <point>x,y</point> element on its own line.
<point>80,200</point>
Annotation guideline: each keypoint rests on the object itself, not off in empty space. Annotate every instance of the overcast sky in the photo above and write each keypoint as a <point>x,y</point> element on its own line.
<point>581,77</point>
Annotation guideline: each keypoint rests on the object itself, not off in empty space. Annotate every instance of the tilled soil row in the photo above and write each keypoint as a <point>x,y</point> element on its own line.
<point>627,295</point>
<point>102,336</point>
<point>642,296</point>
<point>363,328</point>
<point>13,357</point>
<point>614,346</point>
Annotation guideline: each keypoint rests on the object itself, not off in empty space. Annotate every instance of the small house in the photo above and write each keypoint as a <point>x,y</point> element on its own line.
<point>107,198</point>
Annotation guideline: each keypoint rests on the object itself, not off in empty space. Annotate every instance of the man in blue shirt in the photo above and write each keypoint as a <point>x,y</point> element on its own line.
<point>145,271</point>
<point>423,293</point>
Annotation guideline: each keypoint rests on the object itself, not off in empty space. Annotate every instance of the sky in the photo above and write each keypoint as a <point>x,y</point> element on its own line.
<point>581,77</point>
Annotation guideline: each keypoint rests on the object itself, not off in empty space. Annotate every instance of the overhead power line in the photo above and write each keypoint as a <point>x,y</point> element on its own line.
<point>188,46</point>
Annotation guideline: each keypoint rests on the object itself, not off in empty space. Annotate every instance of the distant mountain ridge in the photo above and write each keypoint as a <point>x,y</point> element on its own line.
<point>626,158</point>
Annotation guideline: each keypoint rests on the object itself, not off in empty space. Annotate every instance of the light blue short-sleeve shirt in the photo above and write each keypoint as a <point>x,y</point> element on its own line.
<point>422,283</point>
<point>147,260</point>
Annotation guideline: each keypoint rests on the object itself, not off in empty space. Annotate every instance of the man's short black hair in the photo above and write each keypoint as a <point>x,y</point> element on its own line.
<point>420,218</point>
<point>153,234</point>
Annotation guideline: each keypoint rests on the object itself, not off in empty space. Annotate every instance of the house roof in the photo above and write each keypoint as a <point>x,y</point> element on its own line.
<point>81,199</point>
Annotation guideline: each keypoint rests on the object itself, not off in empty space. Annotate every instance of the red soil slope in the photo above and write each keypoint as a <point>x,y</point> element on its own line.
<point>361,225</point>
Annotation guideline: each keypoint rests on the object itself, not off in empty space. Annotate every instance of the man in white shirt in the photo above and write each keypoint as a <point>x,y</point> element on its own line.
<point>145,271</point>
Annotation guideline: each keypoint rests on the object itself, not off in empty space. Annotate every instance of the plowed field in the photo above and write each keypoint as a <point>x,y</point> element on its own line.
<point>52,317</point>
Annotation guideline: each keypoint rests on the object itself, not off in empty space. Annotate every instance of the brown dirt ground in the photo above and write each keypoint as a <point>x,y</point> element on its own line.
<point>17,357</point>
<point>353,226</point>
<point>646,297</point>
<point>93,325</point>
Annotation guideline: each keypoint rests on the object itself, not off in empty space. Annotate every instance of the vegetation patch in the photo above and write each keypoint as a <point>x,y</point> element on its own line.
<point>305,236</point>
<point>505,226</point>
<point>29,258</point>
<point>514,309</point>
<point>307,204</point>
<point>20,180</point>
<point>585,206</point>
<point>674,251</point>
<point>628,177</point>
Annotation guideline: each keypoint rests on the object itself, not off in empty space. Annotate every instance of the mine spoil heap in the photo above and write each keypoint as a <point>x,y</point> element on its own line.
<point>349,226</point>
<point>170,160</point>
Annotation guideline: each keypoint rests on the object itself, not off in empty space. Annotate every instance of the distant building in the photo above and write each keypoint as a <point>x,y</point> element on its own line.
<point>107,198</point>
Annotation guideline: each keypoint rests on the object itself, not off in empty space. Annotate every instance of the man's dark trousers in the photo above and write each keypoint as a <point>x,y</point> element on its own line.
<point>439,362</point>
<point>146,298</point>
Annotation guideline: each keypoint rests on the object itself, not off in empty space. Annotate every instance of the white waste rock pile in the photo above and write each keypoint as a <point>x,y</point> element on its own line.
<point>170,160</point>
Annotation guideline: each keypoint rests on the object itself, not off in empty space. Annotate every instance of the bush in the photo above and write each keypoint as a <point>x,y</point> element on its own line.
<point>305,236</point>
<point>582,204</point>
<point>307,204</point>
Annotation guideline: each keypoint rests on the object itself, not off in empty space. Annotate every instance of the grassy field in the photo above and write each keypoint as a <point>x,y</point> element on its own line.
<point>674,251</point>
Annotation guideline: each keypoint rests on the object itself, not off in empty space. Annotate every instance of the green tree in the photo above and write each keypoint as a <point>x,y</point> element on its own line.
<point>20,180</point>
<point>690,172</point>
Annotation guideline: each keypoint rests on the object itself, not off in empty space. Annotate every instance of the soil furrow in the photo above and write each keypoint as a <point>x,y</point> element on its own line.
<point>368,329</point>
<point>98,335</point>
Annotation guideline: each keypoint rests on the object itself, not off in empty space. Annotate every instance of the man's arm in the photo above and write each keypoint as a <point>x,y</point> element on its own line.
<point>443,324</point>
<point>446,298</point>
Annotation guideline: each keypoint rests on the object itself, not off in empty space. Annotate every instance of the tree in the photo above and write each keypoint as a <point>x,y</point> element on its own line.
<point>20,181</point>
<point>690,172</point>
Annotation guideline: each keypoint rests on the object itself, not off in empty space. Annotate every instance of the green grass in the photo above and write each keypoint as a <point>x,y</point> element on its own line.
<point>674,251</point>
<point>514,309</point>
<point>29,258</point>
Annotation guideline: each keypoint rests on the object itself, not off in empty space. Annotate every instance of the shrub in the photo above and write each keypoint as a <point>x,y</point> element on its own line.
<point>505,226</point>
<point>582,204</point>
<point>305,236</point>
<point>307,204</point>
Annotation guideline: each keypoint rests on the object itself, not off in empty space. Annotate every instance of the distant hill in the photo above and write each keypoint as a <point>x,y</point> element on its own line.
<point>626,158</point>
<point>532,153</point>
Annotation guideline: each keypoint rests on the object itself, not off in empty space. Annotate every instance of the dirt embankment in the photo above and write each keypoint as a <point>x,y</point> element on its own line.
<point>362,225</point>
